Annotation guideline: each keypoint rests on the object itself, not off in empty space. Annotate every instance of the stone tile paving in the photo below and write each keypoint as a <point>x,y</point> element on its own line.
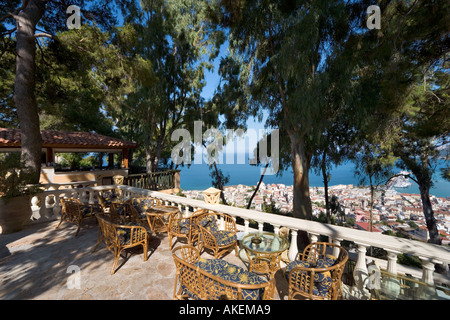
<point>37,264</point>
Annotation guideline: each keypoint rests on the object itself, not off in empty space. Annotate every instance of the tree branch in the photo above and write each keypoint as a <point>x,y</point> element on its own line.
<point>8,32</point>
<point>43,34</point>
<point>401,175</point>
<point>9,14</point>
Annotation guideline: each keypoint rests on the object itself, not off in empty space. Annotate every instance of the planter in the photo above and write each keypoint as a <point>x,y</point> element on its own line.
<point>14,213</point>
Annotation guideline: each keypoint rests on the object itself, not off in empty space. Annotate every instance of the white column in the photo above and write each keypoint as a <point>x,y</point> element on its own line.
<point>360,273</point>
<point>428,271</point>
<point>91,197</point>
<point>260,226</point>
<point>246,224</point>
<point>293,247</point>
<point>392,261</point>
<point>313,237</point>
<point>336,250</point>
<point>276,229</point>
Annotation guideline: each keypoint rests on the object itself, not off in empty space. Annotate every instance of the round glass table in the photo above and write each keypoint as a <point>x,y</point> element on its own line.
<point>159,216</point>
<point>263,251</point>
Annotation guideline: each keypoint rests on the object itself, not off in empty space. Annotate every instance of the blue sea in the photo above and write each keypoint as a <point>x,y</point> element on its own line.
<point>197,177</point>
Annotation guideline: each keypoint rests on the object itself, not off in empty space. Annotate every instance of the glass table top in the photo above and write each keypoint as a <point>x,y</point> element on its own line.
<point>264,242</point>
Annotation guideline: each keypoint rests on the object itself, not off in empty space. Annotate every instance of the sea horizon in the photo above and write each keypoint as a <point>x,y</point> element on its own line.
<point>197,177</point>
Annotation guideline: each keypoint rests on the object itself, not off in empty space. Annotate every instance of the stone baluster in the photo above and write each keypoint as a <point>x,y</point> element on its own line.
<point>313,237</point>
<point>392,261</point>
<point>428,271</point>
<point>246,225</point>
<point>42,207</point>
<point>293,246</point>
<point>335,249</point>
<point>57,207</point>
<point>260,226</point>
<point>91,197</point>
<point>360,273</point>
<point>276,229</point>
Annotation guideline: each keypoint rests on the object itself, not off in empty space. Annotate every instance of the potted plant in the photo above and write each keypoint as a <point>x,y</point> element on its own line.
<point>15,193</point>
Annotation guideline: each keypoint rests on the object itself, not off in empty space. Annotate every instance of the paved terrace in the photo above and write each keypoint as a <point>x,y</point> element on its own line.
<point>36,264</point>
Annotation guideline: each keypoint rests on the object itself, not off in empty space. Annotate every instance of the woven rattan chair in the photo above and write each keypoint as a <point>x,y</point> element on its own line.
<point>184,227</point>
<point>316,273</point>
<point>75,212</point>
<point>216,279</point>
<point>218,240</point>
<point>107,197</point>
<point>118,236</point>
<point>138,206</point>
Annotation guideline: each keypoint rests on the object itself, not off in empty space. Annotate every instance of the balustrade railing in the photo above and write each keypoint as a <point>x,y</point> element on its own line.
<point>47,206</point>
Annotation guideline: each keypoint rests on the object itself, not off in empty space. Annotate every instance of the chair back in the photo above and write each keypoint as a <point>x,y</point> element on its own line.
<point>108,230</point>
<point>320,261</point>
<point>212,279</point>
<point>71,210</point>
<point>138,206</point>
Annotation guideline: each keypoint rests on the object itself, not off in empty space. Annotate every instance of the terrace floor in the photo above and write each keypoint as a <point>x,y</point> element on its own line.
<point>37,263</point>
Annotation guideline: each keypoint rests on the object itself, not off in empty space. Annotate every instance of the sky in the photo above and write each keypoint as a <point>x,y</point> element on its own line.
<point>212,80</point>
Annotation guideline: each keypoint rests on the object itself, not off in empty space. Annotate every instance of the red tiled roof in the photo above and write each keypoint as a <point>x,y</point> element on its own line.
<point>52,138</point>
<point>366,226</point>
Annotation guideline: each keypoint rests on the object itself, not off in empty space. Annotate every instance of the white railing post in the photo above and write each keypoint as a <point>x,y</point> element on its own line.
<point>260,226</point>
<point>392,261</point>
<point>276,229</point>
<point>336,250</point>
<point>313,237</point>
<point>360,273</point>
<point>293,246</point>
<point>428,270</point>
<point>246,225</point>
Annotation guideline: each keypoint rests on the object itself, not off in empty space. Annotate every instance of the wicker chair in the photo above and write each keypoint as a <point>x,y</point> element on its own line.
<point>107,197</point>
<point>75,212</point>
<point>219,241</point>
<point>184,227</point>
<point>216,279</point>
<point>316,273</point>
<point>138,206</point>
<point>119,236</point>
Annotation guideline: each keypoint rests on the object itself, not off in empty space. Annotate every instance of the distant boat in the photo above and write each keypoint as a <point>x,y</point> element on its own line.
<point>401,181</point>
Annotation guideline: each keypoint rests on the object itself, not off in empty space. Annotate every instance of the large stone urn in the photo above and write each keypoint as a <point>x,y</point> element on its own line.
<point>14,212</point>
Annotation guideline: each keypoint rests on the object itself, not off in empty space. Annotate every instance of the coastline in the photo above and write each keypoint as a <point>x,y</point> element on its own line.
<point>197,177</point>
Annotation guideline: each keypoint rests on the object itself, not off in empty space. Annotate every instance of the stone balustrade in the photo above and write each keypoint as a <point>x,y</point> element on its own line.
<point>430,254</point>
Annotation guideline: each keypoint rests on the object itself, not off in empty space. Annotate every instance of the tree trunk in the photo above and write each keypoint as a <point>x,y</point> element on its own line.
<point>372,190</point>
<point>300,165</point>
<point>302,202</point>
<point>219,181</point>
<point>429,214</point>
<point>325,185</point>
<point>257,187</point>
<point>24,86</point>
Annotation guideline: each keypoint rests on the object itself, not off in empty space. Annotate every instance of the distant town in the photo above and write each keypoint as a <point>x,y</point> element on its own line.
<point>392,210</point>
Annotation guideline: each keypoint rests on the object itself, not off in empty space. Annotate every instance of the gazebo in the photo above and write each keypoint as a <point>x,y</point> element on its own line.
<point>63,142</point>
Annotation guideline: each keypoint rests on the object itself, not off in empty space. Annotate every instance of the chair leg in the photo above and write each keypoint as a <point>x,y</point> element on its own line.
<point>78,230</point>
<point>60,221</point>
<point>116,259</point>
<point>98,243</point>
<point>145,251</point>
